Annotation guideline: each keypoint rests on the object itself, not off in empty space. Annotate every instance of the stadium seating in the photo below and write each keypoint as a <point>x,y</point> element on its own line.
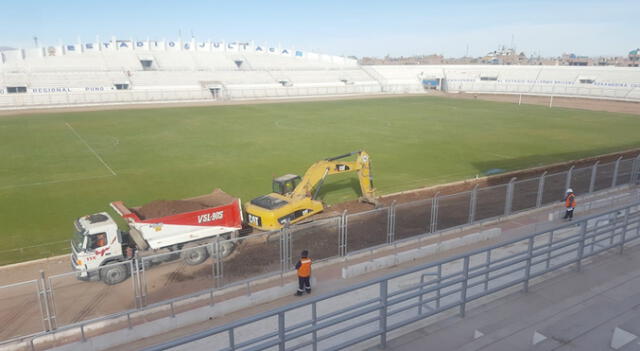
<point>57,76</point>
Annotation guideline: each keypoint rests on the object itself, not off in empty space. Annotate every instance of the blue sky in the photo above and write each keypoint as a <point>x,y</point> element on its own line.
<point>360,28</point>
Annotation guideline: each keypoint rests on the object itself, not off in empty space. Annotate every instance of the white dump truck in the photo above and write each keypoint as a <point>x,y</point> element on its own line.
<point>99,247</point>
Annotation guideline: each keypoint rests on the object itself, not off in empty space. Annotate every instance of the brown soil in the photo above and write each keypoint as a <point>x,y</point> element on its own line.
<point>163,208</point>
<point>578,103</point>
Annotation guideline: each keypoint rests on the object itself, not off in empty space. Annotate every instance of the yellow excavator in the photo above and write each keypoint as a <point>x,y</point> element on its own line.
<point>294,198</point>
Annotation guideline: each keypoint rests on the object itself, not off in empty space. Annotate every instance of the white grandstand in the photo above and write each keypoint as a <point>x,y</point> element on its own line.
<point>128,71</point>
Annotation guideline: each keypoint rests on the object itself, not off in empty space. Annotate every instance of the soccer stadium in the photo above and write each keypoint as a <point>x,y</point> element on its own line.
<point>129,71</point>
<point>470,167</point>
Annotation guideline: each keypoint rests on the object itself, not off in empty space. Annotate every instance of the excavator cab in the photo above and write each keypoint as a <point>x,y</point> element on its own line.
<point>285,184</point>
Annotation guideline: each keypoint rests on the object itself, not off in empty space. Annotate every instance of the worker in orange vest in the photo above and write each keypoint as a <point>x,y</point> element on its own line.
<point>303,266</point>
<point>569,204</point>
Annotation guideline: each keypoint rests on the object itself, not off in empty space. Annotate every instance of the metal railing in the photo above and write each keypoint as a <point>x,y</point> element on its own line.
<point>253,92</point>
<point>238,92</point>
<point>375,308</point>
<point>75,304</point>
<point>597,92</point>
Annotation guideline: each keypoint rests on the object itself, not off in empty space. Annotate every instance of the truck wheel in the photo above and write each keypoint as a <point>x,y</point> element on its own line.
<point>195,256</point>
<point>114,273</point>
<point>226,248</point>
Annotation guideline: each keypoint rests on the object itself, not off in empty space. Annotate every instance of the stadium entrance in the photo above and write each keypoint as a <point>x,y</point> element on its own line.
<point>216,90</point>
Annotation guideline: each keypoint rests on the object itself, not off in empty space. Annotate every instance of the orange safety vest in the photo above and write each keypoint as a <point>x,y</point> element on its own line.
<point>305,268</point>
<point>570,202</point>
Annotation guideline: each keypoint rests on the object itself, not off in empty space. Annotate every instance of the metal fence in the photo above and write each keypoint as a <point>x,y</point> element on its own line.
<point>375,308</point>
<point>106,97</point>
<point>617,93</point>
<point>166,280</point>
<point>249,92</point>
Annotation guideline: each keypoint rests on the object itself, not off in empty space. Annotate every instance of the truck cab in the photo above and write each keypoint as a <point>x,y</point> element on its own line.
<point>96,242</point>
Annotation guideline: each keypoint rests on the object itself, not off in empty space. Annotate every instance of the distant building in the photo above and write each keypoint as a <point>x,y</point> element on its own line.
<point>433,59</point>
<point>508,56</point>
<point>575,60</point>
<point>504,56</point>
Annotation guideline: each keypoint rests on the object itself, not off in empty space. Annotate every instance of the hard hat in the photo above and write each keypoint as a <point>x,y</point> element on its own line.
<point>569,190</point>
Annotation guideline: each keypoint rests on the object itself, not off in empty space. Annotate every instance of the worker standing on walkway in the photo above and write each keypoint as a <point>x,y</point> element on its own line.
<point>569,204</point>
<point>304,273</point>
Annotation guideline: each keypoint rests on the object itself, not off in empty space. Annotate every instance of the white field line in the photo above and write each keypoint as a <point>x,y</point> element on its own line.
<point>52,182</point>
<point>90,149</point>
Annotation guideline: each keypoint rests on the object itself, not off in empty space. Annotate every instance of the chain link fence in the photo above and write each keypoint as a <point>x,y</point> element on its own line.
<point>62,300</point>
<point>425,293</point>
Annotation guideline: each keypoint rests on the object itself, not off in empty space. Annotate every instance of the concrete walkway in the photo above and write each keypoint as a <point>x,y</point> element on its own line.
<point>588,310</point>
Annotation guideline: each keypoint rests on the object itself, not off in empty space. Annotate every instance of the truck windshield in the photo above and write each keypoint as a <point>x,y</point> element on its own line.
<point>78,241</point>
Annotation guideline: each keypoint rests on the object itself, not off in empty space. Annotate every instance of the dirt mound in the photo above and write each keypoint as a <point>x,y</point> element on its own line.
<point>162,208</point>
<point>216,198</point>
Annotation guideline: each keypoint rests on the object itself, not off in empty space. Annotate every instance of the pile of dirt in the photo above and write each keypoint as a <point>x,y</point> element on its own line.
<point>163,208</point>
<point>215,199</point>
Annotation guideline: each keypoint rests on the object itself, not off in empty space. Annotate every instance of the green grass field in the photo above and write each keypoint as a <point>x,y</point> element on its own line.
<point>56,167</point>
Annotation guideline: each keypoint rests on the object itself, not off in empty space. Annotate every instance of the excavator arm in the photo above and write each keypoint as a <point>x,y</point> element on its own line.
<point>316,174</point>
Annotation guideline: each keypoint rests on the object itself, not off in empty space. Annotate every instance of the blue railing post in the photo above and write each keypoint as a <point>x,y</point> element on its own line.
<point>463,290</point>
<point>232,339</point>
<point>383,312</point>
<point>583,232</point>
<point>314,322</point>
<point>527,272</point>
<point>281,334</point>
<point>623,238</point>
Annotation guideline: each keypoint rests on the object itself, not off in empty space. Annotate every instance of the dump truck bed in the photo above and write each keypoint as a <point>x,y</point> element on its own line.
<point>165,223</point>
